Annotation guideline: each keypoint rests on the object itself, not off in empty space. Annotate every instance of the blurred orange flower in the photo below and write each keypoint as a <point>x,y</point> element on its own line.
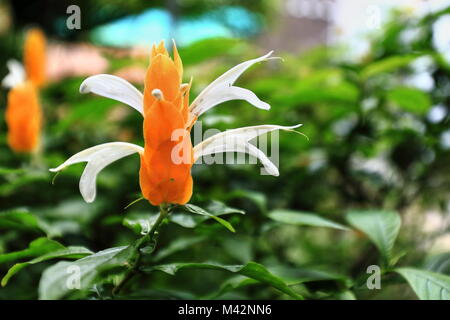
<point>34,57</point>
<point>24,118</point>
<point>23,112</point>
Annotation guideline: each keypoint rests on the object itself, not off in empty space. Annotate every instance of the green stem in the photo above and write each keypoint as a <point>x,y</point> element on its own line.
<point>163,212</point>
<point>36,159</point>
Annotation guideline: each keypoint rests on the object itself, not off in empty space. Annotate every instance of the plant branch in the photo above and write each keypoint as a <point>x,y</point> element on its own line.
<point>163,212</point>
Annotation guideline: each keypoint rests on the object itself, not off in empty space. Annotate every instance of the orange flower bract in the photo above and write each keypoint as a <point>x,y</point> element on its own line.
<point>34,57</point>
<point>23,118</point>
<point>166,106</point>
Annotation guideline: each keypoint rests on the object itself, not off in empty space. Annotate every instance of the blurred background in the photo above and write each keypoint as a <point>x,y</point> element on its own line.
<point>370,81</point>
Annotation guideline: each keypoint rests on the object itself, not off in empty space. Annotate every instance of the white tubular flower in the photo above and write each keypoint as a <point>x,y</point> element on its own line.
<point>98,157</point>
<point>220,90</point>
<point>15,76</point>
<point>116,88</point>
<point>237,140</point>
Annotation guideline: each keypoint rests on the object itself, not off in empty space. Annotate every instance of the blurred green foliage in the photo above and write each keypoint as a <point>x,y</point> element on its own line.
<point>357,193</point>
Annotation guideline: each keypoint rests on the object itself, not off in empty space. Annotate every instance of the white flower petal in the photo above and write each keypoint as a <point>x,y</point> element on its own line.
<point>222,94</point>
<point>223,88</point>
<point>98,157</point>
<point>116,88</point>
<point>243,134</point>
<point>237,140</point>
<point>16,74</point>
<point>270,167</point>
<point>230,77</point>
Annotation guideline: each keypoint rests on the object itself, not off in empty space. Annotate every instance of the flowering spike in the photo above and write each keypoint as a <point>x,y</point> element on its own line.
<point>24,118</point>
<point>34,57</point>
<point>168,155</point>
<point>165,175</point>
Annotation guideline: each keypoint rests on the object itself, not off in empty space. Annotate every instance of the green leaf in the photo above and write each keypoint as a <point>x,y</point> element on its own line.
<point>387,65</point>
<point>55,281</point>
<point>140,223</point>
<point>345,295</point>
<point>29,177</point>
<point>299,275</point>
<point>186,221</point>
<point>410,99</point>
<point>250,270</point>
<point>67,253</point>
<point>344,92</point>
<point>218,208</point>
<point>215,209</point>
<point>303,219</point>
<point>380,226</point>
<point>439,263</point>
<point>203,50</point>
<point>8,171</point>
<point>37,247</point>
<point>176,246</point>
<point>322,86</point>
<point>257,198</point>
<point>21,219</point>
<point>238,247</point>
<point>89,111</point>
<point>197,210</point>
<point>426,284</point>
<point>231,284</point>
